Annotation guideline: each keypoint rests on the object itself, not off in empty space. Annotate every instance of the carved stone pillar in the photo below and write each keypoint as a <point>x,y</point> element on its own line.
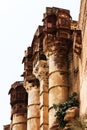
<point>18,101</point>
<point>33,114</point>
<point>58,77</point>
<point>41,72</point>
<point>19,122</point>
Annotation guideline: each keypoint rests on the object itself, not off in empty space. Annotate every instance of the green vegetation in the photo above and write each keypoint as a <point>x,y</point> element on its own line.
<point>60,109</point>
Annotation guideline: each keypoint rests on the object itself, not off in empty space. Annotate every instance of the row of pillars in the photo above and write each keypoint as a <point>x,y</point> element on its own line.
<point>37,116</point>
<point>53,88</point>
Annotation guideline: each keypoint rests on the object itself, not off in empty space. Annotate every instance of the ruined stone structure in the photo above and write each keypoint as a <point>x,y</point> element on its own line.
<point>18,101</point>
<point>51,69</point>
<point>55,66</point>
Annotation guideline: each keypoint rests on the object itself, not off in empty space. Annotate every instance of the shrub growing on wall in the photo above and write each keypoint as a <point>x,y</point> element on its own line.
<point>60,109</point>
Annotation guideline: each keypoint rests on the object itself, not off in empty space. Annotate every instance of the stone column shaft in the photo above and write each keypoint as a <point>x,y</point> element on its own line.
<point>58,78</point>
<point>33,115</point>
<point>19,122</point>
<point>41,72</point>
<point>43,105</point>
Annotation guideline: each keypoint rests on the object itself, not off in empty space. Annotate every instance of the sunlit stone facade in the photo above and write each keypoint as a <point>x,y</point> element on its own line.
<point>83,60</point>
<point>51,69</point>
<point>55,66</point>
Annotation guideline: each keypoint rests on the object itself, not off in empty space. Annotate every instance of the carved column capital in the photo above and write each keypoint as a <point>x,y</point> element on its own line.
<point>41,70</point>
<point>27,86</point>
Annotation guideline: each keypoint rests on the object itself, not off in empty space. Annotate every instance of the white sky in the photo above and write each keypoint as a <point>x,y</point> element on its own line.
<point>19,20</point>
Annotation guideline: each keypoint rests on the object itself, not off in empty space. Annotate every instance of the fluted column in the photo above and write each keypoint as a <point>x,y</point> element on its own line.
<point>41,72</point>
<point>58,77</point>
<point>33,114</point>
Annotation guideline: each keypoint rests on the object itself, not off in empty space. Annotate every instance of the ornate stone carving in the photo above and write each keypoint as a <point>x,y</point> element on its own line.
<point>41,69</point>
<point>18,94</point>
